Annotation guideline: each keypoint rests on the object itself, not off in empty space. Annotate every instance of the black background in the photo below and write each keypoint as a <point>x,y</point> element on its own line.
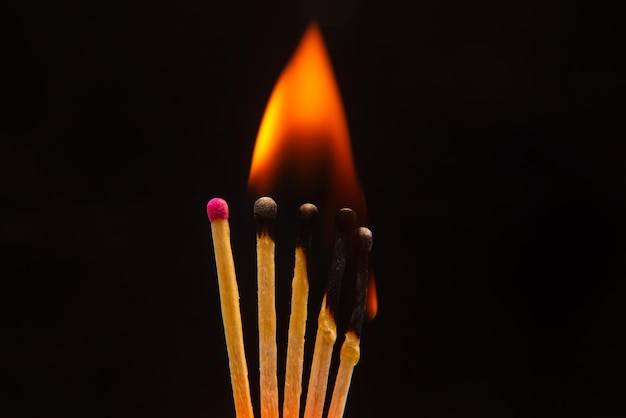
<point>487,139</point>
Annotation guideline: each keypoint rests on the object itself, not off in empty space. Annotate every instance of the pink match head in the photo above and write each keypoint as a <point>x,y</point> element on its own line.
<point>217,209</point>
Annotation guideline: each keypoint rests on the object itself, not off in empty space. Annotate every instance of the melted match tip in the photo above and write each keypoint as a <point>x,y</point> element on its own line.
<point>265,209</point>
<point>217,208</point>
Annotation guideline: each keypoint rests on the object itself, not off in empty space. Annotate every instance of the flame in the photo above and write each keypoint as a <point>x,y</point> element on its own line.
<point>304,129</point>
<point>371,307</point>
<point>303,138</point>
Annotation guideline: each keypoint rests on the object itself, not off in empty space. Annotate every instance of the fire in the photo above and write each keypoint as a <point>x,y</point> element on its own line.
<point>372,299</point>
<point>303,137</point>
<point>304,129</point>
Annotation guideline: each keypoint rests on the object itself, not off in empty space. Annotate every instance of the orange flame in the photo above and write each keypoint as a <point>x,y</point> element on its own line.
<point>304,129</point>
<point>371,308</point>
<point>303,136</point>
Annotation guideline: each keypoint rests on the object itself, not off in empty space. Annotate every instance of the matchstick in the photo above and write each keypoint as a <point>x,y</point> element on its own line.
<point>265,214</point>
<point>217,210</point>
<point>298,316</point>
<point>327,325</point>
<point>350,350</point>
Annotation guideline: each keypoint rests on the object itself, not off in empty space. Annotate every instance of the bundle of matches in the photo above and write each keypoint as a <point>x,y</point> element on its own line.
<point>347,234</point>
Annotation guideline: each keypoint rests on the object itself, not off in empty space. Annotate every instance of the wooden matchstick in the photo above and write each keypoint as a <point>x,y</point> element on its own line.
<point>298,316</point>
<point>217,210</point>
<point>265,214</point>
<point>327,325</point>
<point>350,350</point>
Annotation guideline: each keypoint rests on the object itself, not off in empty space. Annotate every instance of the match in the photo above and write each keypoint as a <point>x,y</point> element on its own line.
<point>298,315</point>
<point>347,238</point>
<point>265,214</point>
<point>327,325</point>
<point>350,350</point>
<point>217,210</point>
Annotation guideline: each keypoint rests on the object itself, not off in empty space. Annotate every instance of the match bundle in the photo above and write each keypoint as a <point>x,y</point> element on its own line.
<point>347,235</point>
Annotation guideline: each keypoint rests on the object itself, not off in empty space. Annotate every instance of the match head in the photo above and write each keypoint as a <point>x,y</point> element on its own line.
<point>265,209</point>
<point>346,220</point>
<point>308,212</point>
<point>217,208</point>
<point>363,238</point>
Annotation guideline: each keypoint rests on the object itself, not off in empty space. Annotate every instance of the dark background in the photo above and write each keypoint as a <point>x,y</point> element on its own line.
<point>487,139</point>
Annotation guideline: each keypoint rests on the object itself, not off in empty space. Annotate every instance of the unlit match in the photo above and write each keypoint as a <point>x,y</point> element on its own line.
<point>298,316</point>
<point>217,210</point>
<point>350,350</point>
<point>327,326</point>
<point>265,214</point>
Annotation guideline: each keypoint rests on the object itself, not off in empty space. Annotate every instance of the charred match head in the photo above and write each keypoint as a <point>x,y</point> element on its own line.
<point>265,209</point>
<point>363,241</point>
<point>265,213</point>
<point>345,223</point>
<point>308,213</point>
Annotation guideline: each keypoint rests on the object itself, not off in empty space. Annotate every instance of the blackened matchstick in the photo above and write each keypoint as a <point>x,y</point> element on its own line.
<point>217,210</point>
<point>265,214</point>
<point>327,325</point>
<point>350,350</point>
<point>298,316</point>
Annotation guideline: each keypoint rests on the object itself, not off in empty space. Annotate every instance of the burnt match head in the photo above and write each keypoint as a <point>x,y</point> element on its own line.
<point>363,239</point>
<point>265,209</point>
<point>217,208</point>
<point>345,223</point>
<point>265,214</point>
<point>308,212</point>
<point>363,245</point>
